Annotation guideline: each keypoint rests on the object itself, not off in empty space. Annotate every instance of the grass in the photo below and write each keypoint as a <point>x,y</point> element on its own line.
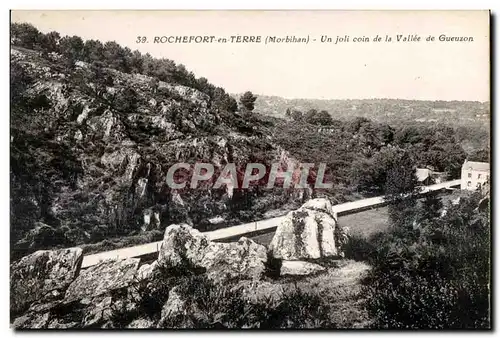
<point>340,288</point>
<point>366,223</point>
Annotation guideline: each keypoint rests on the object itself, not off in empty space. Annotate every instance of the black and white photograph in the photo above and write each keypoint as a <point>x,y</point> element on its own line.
<point>250,170</point>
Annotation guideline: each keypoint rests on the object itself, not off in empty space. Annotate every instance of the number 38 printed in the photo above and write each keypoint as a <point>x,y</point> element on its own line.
<point>141,39</point>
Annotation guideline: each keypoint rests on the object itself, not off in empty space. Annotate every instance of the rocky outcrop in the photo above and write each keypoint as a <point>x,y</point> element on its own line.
<point>243,259</point>
<point>306,233</point>
<point>185,246</point>
<point>300,268</point>
<point>141,323</point>
<point>96,297</point>
<point>118,143</point>
<point>43,276</point>
<point>103,278</point>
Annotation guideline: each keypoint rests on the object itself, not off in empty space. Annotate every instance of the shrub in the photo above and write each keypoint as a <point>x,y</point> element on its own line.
<point>436,276</point>
<point>209,305</point>
<point>358,248</point>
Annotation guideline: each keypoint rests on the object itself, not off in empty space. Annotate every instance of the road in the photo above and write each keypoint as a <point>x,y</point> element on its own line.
<point>243,229</point>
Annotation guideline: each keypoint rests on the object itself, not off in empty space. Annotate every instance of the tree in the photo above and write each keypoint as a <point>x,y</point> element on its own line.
<point>25,35</point>
<point>481,155</point>
<point>431,206</point>
<point>51,42</point>
<point>310,116</point>
<point>72,49</point>
<point>323,118</point>
<point>401,178</point>
<point>222,101</point>
<point>135,62</point>
<point>115,56</point>
<point>247,100</point>
<point>401,192</point>
<point>93,51</point>
<point>297,115</point>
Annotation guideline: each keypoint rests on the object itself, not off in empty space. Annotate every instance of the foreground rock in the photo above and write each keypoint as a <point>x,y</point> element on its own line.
<point>306,233</point>
<point>102,278</point>
<point>98,296</point>
<point>43,276</point>
<point>300,268</point>
<point>184,246</point>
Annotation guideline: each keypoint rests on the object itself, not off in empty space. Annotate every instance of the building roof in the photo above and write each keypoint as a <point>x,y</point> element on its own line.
<point>471,165</point>
<point>422,174</point>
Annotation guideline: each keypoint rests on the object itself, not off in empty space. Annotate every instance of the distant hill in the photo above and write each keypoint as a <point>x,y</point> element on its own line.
<point>393,111</point>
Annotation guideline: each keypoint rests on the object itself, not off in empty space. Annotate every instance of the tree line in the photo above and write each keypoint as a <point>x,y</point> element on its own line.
<point>111,55</point>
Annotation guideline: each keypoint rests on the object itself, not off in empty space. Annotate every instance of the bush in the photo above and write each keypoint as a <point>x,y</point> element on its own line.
<point>435,276</point>
<point>215,306</point>
<point>359,248</point>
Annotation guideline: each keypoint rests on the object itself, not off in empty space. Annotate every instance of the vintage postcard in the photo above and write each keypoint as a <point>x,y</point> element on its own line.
<point>250,170</point>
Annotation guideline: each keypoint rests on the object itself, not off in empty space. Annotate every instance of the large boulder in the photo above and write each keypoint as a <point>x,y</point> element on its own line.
<point>184,246</point>
<point>43,276</point>
<point>306,233</point>
<point>98,296</point>
<point>102,278</point>
<point>243,259</point>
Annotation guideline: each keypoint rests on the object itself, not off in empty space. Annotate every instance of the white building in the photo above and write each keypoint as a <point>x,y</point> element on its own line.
<point>474,175</point>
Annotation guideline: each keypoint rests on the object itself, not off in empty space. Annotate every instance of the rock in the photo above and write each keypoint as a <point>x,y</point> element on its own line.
<point>184,246</point>
<point>103,278</point>
<point>306,233</point>
<point>99,312</point>
<point>97,296</point>
<point>342,235</point>
<point>141,323</point>
<point>126,158</point>
<point>146,271</point>
<point>175,306</point>
<point>43,275</point>
<point>320,204</point>
<point>243,259</point>
<point>300,268</point>
<point>31,321</point>
<point>176,312</point>
<point>56,324</point>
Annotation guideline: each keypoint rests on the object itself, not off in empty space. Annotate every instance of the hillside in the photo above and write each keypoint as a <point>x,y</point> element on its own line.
<point>91,146</point>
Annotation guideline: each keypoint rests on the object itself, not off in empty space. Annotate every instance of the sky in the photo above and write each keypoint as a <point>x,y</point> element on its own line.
<point>355,70</point>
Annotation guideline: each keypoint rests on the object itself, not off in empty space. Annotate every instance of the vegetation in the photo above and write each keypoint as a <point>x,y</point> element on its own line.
<point>204,304</point>
<point>110,54</point>
<point>62,191</point>
<point>360,153</point>
<point>247,100</point>
<point>432,271</point>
